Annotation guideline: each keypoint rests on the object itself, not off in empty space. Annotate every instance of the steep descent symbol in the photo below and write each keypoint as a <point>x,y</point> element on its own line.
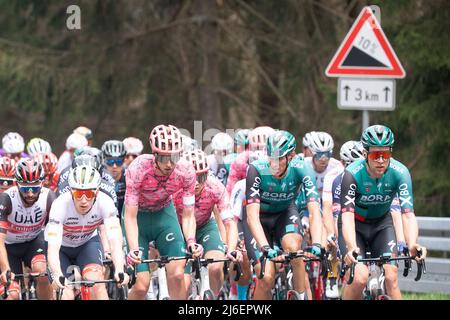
<point>365,52</point>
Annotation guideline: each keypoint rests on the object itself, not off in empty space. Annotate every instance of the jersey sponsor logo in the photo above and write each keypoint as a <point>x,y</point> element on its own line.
<point>350,196</point>
<point>206,238</point>
<point>283,186</point>
<point>293,218</point>
<point>310,188</point>
<point>396,167</point>
<point>254,244</point>
<point>357,169</point>
<point>170,237</point>
<point>391,245</point>
<point>19,217</point>
<point>273,184</point>
<point>404,196</point>
<point>278,195</point>
<point>376,198</point>
<point>255,187</point>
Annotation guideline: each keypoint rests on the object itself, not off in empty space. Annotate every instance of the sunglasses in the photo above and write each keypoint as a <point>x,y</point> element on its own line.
<point>111,162</point>
<point>6,182</point>
<point>26,189</point>
<point>375,155</point>
<point>89,194</point>
<point>201,178</point>
<point>166,158</point>
<point>320,155</point>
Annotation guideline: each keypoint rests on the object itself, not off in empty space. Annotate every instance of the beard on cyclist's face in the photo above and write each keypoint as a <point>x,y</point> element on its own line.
<point>29,198</point>
<point>321,164</point>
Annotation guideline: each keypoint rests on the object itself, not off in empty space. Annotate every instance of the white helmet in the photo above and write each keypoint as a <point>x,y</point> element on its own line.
<point>306,139</point>
<point>13,142</point>
<point>189,144</point>
<point>84,177</point>
<point>76,141</point>
<point>258,137</point>
<point>320,142</point>
<point>352,151</point>
<point>133,145</point>
<point>222,141</point>
<point>38,145</point>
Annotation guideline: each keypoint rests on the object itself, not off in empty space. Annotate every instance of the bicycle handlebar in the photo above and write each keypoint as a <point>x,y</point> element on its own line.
<point>386,259</point>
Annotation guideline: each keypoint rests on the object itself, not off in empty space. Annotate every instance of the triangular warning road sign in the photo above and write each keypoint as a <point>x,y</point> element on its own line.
<point>365,52</point>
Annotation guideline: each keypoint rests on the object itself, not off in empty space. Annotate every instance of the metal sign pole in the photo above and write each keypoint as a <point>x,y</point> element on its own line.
<point>365,120</point>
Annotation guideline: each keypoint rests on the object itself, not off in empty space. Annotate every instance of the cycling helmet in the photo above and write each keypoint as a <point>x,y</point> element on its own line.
<point>49,162</point>
<point>113,148</point>
<point>38,145</point>
<point>84,177</point>
<point>222,141</point>
<point>85,159</point>
<point>280,144</point>
<point>198,159</point>
<point>91,151</point>
<point>86,132</point>
<point>306,139</point>
<point>133,145</point>
<point>351,151</point>
<point>7,167</point>
<point>377,136</point>
<point>258,137</point>
<point>76,141</point>
<point>189,144</point>
<point>166,140</point>
<point>241,137</point>
<point>320,142</point>
<point>29,171</point>
<point>13,142</point>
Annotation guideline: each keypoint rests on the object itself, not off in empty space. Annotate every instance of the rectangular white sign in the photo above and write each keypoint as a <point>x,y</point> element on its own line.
<point>366,94</point>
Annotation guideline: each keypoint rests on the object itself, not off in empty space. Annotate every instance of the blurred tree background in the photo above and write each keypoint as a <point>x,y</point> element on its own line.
<point>229,63</point>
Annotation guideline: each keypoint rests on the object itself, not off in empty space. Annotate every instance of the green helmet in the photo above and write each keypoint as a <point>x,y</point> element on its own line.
<point>280,144</point>
<point>241,137</point>
<point>377,136</point>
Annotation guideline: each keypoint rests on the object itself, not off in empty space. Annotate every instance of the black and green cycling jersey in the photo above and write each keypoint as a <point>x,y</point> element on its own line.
<point>275,195</point>
<point>371,198</point>
<point>228,160</point>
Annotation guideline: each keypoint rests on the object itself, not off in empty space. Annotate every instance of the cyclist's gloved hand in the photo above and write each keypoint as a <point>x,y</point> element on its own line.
<point>316,249</point>
<point>122,278</point>
<point>57,284</point>
<point>134,257</point>
<point>305,223</point>
<point>331,239</point>
<point>417,250</point>
<point>235,255</point>
<point>4,279</point>
<point>401,246</point>
<point>271,253</point>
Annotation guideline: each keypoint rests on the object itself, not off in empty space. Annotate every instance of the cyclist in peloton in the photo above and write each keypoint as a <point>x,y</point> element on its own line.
<point>238,169</point>
<point>134,148</point>
<point>75,220</point>
<point>7,170</point>
<point>241,141</point>
<point>210,196</point>
<point>13,146</point>
<point>38,145</point>
<point>367,190</point>
<point>73,142</point>
<point>86,132</point>
<point>23,213</point>
<point>222,146</point>
<point>113,159</point>
<point>271,215</point>
<point>49,162</point>
<point>306,151</point>
<point>149,214</point>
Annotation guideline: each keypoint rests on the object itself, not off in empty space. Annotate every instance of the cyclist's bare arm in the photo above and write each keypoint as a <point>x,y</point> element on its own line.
<point>104,238</point>
<point>115,241</point>
<point>315,221</point>
<point>131,226</point>
<point>398,225</point>
<point>220,225</point>
<point>188,223</point>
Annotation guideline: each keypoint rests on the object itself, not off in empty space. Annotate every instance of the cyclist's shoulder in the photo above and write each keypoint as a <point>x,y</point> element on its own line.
<point>142,163</point>
<point>356,167</point>
<point>229,158</point>
<point>184,168</point>
<point>398,167</point>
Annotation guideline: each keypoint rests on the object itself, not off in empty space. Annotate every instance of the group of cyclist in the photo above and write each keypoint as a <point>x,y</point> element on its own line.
<point>250,200</point>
